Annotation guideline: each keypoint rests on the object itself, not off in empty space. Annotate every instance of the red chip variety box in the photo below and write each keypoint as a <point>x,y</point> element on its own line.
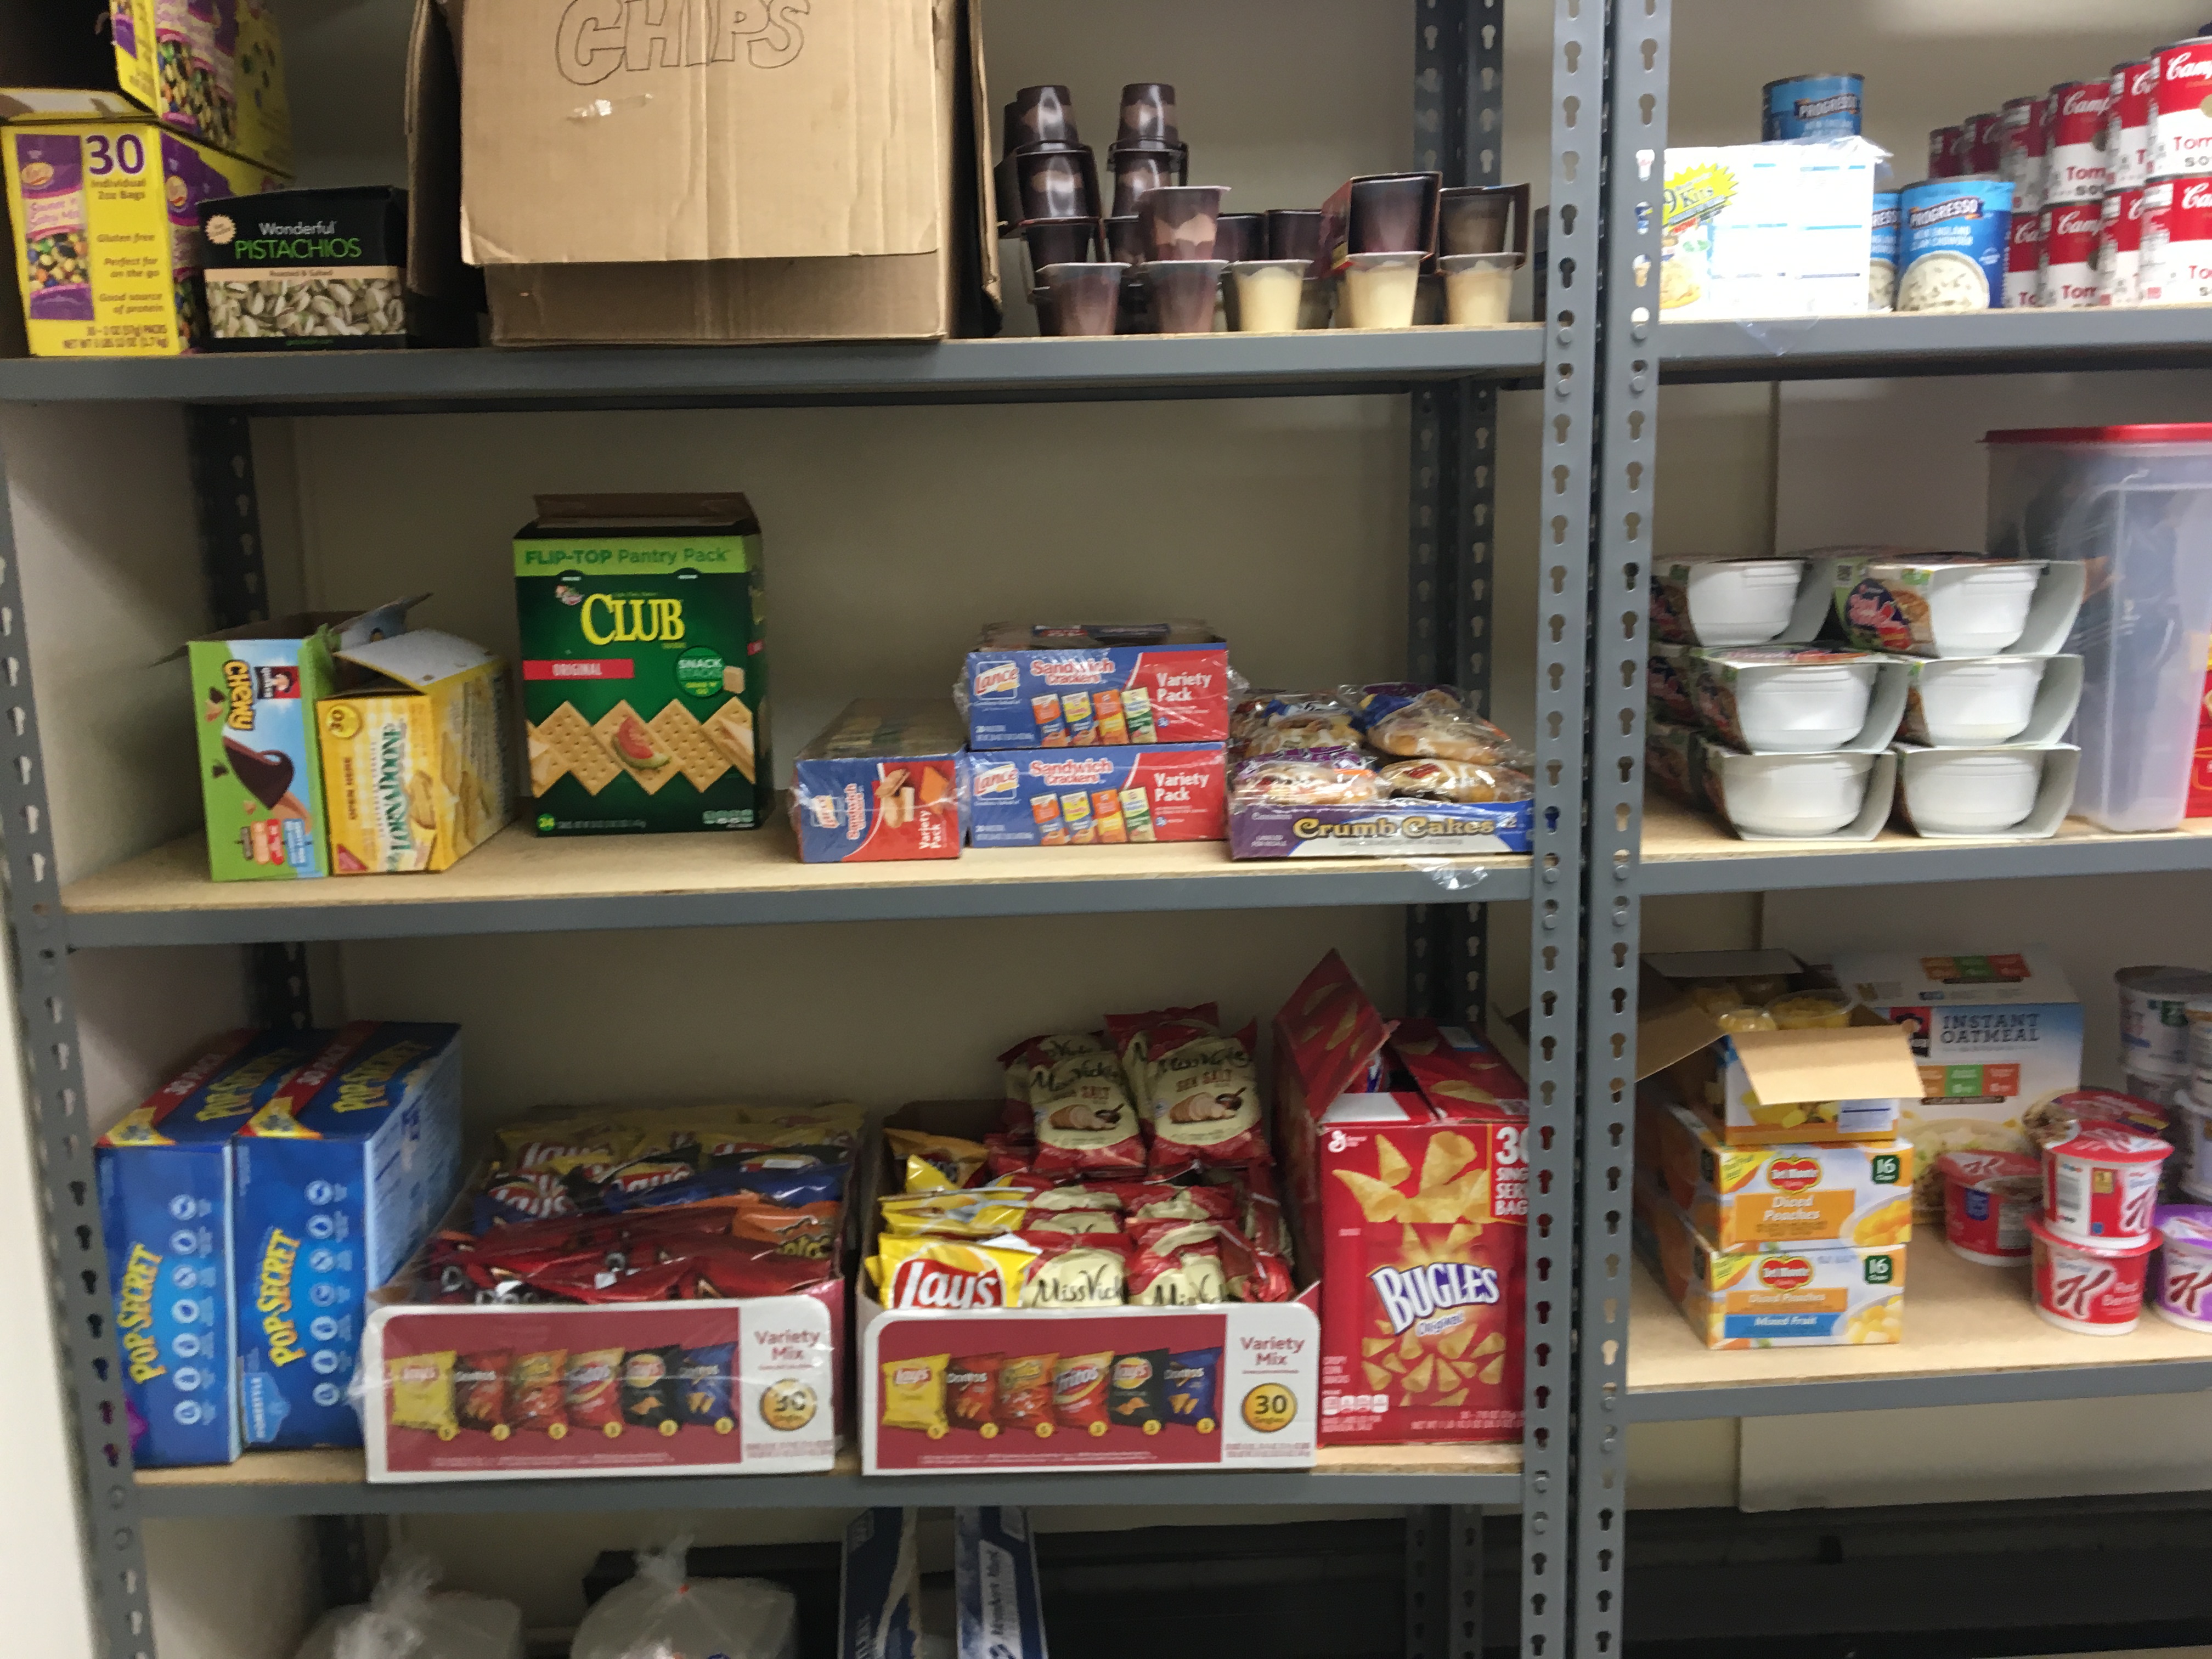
<point>1407,1164</point>
<point>1083,685</point>
<point>881,785</point>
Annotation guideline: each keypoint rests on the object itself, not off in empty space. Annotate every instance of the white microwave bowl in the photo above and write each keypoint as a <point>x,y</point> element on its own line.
<point>1973,792</point>
<point>1970,701</point>
<point>1743,601</point>
<point>1803,708</point>
<point>1795,796</point>
<point>1979,609</point>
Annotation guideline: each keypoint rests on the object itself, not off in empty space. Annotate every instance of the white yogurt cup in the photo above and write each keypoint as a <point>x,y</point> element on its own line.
<point>1966,701</point>
<point>1379,290</point>
<point>2156,1029</point>
<point>1742,601</point>
<point>1972,791</point>
<point>1478,288</point>
<point>1979,609</point>
<point>2182,1281</point>
<point>1789,795</point>
<point>2192,1138</point>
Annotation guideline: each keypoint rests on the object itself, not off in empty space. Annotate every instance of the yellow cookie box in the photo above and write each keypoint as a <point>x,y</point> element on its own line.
<point>105,204</point>
<point>414,764</point>
<point>1772,1296</point>
<point>1739,1196</point>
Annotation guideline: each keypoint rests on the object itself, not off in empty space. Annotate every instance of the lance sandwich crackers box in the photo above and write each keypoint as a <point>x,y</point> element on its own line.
<point>165,1207</point>
<point>644,670</point>
<point>338,1177</point>
<point>1083,685</point>
<point>1407,1160</point>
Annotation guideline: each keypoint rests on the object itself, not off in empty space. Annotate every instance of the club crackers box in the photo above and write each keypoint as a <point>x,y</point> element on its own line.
<point>1405,1151</point>
<point>339,1176</point>
<point>644,670</point>
<point>882,785</point>
<point>1090,797</point>
<point>164,1175</point>
<point>1081,685</point>
<point>261,774</point>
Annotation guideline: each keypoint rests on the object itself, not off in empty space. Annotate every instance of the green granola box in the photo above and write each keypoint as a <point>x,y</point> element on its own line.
<point>644,673</point>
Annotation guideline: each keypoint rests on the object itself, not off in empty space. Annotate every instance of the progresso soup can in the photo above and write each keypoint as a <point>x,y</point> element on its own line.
<point>2127,123</point>
<point>2177,241</point>
<point>2068,274</point>
<point>1888,245</point>
<point>2078,169</point>
<point>1956,233</point>
<point>1814,106</point>
<point>2181,110</point>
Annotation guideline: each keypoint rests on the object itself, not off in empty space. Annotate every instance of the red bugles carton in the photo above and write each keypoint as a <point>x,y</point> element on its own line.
<point>1405,1151</point>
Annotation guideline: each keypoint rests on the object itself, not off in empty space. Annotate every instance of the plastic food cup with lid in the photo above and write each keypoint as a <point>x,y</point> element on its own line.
<point>1812,1011</point>
<point>2092,1289</point>
<point>2192,1138</point>
<point>2156,1035</point>
<point>2182,1292</point>
<point>1723,601</point>
<point>2100,1185</point>
<point>1988,1197</point>
<point>1789,796</point>
<point>1961,702</point>
<point>1972,791</point>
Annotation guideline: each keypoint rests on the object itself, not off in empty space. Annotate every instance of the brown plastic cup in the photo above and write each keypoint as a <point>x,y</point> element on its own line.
<point>1060,241</point>
<point>1041,115</point>
<point>1390,214</point>
<point>1048,314</point>
<point>1148,114</point>
<point>1059,183</point>
<point>1483,219</point>
<point>1007,194</point>
<point>1138,174</point>
<point>1240,236</point>
<point>1125,239</point>
<point>1294,234</point>
<point>1181,221</point>
<point>1087,299</point>
<point>1186,295</point>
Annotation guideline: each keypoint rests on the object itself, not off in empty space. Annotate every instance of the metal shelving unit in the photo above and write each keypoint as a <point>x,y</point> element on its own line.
<point>1972,1335</point>
<point>520,886</point>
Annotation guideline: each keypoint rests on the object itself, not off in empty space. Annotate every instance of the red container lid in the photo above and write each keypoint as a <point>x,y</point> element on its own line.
<point>2199,432</point>
<point>2113,1142</point>
<point>1977,1168</point>
<point>2103,1247</point>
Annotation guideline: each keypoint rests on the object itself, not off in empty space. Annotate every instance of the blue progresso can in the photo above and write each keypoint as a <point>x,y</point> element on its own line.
<point>1956,233</point>
<point>1814,106</point>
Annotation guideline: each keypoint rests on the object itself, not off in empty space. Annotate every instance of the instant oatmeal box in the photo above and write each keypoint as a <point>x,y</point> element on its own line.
<point>644,670</point>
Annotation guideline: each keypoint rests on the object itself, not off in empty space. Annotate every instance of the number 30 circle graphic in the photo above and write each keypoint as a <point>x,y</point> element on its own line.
<point>1270,1408</point>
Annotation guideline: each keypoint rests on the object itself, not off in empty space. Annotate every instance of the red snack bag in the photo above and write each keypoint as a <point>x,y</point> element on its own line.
<point>480,1391</point>
<point>1010,1156</point>
<point>1156,1200</point>
<point>1247,1274</point>
<point>1185,1276</point>
<point>1086,1122</point>
<point>971,1393</point>
<point>594,1390</point>
<point>1085,1222</point>
<point>1080,1386</point>
<point>536,1392</point>
<point>1203,1094</point>
<point>1025,1394</point>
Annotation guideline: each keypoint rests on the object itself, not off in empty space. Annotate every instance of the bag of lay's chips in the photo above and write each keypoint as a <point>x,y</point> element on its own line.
<point>978,1212</point>
<point>936,1163</point>
<point>951,1275</point>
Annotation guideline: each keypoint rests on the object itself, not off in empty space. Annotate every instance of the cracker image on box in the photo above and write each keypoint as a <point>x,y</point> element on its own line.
<point>644,670</point>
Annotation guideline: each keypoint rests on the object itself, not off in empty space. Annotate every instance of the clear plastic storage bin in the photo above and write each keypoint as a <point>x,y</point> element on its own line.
<point>2134,503</point>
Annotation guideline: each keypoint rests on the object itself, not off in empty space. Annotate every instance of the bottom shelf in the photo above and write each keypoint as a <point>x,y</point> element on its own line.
<point>334,1483</point>
<point>1972,1337</point>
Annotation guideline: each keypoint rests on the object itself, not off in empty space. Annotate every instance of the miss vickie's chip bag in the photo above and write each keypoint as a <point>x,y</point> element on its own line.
<point>1406,1150</point>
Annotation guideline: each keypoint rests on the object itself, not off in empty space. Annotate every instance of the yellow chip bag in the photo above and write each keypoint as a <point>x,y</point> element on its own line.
<point>937,1163</point>
<point>946,1274</point>
<point>914,1394</point>
<point>422,1386</point>
<point>983,1213</point>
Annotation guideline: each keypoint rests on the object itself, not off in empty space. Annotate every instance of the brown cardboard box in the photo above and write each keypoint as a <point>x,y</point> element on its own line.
<point>798,175</point>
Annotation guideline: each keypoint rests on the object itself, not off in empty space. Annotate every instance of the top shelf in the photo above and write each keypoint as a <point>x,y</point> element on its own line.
<point>1967,342</point>
<point>491,381</point>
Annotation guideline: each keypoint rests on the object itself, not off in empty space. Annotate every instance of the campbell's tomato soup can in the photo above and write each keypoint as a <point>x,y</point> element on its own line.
<point>2023,262</point>
<point>2176,248</point>
<point>2021,153</point>
<point>1982,139</point>
<point>1943,152</point>
<point>2092,1290</point>
<point>2067,279</point>
<point>1987,1198</point>
<point>2127,123</point>
<point>2181,110</point>
<point>2075,141</point>
<point>2119,249</point>
<point>2182,1286</point>
<point>2100,1184</point>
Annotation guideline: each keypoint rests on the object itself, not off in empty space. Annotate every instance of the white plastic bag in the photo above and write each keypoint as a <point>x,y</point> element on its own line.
<point>661,1614</point>
<point>406,1618</point>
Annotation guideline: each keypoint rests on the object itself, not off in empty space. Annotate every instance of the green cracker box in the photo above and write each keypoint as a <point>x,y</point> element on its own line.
<point>256,688</point>
<point>644,670</point>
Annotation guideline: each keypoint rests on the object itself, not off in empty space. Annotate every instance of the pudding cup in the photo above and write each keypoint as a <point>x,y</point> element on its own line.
<point>1478,289</point>
<point>1185,293</point>
<point>1269,293</point>
<point>1379,290</point>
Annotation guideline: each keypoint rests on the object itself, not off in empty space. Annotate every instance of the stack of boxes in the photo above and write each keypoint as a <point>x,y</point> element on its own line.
<point>1774,1193</point>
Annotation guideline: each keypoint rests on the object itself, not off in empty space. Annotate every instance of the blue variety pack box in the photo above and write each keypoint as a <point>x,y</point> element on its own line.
<point>879,1588</point>
<point>338,1178</point>
<point>165,1209</point>
<point>1091,797</point>
<point>995,1585</point>
<point>881,785</point>
<point>1085,685</point>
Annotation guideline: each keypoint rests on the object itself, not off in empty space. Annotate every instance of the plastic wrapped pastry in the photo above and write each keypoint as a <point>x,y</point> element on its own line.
<point>1469,782</point>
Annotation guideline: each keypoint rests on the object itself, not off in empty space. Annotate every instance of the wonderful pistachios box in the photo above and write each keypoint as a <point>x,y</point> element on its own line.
<point>644,667</point>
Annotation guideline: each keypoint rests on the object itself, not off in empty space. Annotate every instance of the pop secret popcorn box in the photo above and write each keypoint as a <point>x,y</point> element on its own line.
<point>1405,1154</point>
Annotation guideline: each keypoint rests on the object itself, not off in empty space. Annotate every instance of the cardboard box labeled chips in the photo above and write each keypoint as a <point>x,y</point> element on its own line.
<point>644,670</point>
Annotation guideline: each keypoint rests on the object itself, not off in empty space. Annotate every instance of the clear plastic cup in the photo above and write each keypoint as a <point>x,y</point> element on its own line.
<point>1087,299</point>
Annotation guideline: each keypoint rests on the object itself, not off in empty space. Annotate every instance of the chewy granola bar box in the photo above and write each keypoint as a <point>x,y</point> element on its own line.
<point>644,667</point>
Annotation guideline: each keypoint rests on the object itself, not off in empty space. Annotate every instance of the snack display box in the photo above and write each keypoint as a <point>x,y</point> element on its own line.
<point>1230,1385</point>
<point>1081,685</point>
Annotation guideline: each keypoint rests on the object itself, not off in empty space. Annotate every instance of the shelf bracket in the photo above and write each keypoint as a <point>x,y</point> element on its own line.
<point>1443,1582</point>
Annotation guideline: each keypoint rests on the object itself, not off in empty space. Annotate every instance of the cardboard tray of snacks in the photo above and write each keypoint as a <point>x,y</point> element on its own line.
<point>747,1386</point>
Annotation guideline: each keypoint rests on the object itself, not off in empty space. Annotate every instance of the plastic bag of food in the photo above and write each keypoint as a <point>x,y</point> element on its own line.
<point>1284,783</point>
<point>407,1617</point>
<point>1468,783</point>
<point>662,1614</point>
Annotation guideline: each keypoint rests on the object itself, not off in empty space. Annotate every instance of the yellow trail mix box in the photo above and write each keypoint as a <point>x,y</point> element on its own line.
<point>213,69</point>
<point>1741,1196</point>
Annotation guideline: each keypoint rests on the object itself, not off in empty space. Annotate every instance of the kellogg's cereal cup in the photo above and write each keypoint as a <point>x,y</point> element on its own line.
<point>1988,1197</point>
<point>2192,1136</point>
<point>2183,1280</point>
<point>2100,1185</point>
<point>2092,1289</point>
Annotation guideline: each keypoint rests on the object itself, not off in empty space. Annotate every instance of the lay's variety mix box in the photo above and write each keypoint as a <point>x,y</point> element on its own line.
<point>247,1205</point>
